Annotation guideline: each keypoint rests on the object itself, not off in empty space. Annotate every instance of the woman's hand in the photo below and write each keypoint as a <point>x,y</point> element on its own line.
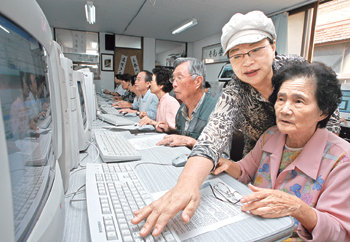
<point>143,114</point>
<point>162,127</point>
<point>146,120</point>
<point>177,140</point>
<point>182,197</point>
<point>222,165</point>
<point>232,168</point>
<point>270,203</point>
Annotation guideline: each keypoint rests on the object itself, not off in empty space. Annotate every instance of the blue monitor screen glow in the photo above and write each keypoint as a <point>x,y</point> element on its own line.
<point>345,102</point>
<point>26,109</point>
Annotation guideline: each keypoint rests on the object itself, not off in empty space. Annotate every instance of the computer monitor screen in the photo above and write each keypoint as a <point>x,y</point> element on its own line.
<point>26,109</point>
<point>82,103</point>
<point>226,73</point>
<point>345,102</point>
<point>344,107</point>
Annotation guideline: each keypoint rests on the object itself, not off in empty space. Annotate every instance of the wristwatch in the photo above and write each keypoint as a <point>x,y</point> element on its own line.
<point>137,113</point>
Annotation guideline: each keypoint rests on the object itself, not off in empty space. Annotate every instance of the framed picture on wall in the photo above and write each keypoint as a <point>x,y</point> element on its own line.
<point>213,54</point>
<point>107,62</point>
<point>128,60</point>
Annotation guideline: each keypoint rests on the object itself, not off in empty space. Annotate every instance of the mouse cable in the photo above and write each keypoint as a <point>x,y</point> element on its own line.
<point>78,191</point>
<point>152,163</point>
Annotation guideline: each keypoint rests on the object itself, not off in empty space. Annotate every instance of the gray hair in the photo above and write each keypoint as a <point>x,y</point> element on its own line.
<point>196,67</point>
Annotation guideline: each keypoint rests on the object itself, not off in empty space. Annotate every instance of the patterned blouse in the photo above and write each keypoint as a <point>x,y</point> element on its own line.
<point>241,107</point>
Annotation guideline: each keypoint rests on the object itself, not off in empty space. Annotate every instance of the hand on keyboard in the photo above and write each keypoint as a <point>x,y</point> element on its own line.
<point>184,196</point>
<point>158,213</point>
<point>177,140</point>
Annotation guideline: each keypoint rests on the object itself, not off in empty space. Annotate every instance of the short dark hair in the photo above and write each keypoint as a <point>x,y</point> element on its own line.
<point>207,84</point>
<point>148,77</point>
<point>126,77</point>
<point>132,80</point>
<point>118,76</point>
<point>163,76</point>
<point>328,93</point>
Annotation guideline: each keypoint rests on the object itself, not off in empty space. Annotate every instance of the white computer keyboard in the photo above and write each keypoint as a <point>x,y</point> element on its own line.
<point>115,147</point>
<point>113,192</point>
<point>110,110</point>
<point>115,120</point>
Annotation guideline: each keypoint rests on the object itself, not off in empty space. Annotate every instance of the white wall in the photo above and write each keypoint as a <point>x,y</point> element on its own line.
<point>196,51</point>
<point>149,53</point>
<point>295,33</point>
<point>107,77</point>
<point>161,58</point>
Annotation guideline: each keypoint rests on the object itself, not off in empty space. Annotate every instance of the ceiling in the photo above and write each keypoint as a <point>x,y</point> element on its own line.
<point>157,18</point>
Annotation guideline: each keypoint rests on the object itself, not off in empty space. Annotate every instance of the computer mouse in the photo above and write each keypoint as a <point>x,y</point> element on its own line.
<point>180,160</point>
<point>147,127</point>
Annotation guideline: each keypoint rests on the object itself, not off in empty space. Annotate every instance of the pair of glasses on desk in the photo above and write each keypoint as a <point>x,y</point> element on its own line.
<point>223,193</point>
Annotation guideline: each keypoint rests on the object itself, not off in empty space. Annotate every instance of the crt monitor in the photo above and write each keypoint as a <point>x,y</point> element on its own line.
<point>31,201</point>
<point>84,124</point>
<point>90,97</point>
<point>226,73</point>
<point>70,151</point>
<point>344,106</point>
<point>71,117</point>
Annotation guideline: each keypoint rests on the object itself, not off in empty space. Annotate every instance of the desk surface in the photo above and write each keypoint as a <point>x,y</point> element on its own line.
<point>76,219</point>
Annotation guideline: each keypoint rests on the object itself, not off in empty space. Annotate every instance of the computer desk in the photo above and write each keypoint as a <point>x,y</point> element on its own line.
<point>76,219</point>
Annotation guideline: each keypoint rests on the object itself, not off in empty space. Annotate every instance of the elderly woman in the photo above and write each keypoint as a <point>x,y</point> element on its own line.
<point>301,167</point>
<point>168,105</point>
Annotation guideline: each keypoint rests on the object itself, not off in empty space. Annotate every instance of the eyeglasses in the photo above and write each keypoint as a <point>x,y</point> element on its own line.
<point>139,79</point>
<point>254,53</point>
<point>180,78</point>
<point>223,193</point>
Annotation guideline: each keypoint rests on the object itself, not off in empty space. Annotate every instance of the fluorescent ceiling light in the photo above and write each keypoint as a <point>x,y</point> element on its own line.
<point>90,12</point>
<point>188,24</point>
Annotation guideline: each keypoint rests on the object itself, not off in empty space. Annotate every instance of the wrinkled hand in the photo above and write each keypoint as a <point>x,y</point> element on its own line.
<point>159,212</point>
<point>222,165</point>
<point>146,120</point>
<point>270,203</point>
<point>143,114</point>
<point>162,127</point>
<point>127,110</point>
<point>177,140</point>
<point>230,167</point>
<point>122,104</point>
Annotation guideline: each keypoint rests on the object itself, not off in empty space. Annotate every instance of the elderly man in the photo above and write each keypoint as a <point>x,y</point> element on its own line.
<point>148,102</point>
<point>192,116</point>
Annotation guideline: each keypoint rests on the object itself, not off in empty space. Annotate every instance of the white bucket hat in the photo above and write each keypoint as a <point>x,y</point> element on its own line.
<point>246,28</point>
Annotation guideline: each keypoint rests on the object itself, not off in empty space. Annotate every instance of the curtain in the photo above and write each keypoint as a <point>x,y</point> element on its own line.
<point>281,24</point>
